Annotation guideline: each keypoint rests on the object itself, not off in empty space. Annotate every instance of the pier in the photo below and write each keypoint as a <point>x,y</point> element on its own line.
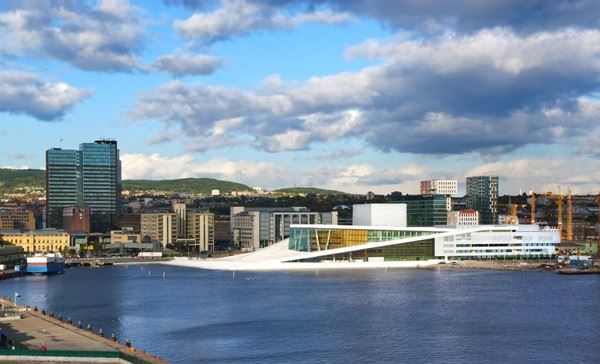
<point>30,335</point>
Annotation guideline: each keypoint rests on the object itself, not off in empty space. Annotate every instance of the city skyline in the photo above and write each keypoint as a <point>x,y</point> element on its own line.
<point>352,96</point>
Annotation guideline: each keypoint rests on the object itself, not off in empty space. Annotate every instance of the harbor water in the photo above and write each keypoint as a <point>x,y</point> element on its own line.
<point>360,316</point>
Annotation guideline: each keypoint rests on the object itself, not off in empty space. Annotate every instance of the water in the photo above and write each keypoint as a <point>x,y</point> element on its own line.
<point>415,316</point>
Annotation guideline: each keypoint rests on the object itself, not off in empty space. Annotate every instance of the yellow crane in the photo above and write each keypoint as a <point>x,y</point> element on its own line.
<point>532,206</point>
<point>569,216</point>
<point>558,198</point>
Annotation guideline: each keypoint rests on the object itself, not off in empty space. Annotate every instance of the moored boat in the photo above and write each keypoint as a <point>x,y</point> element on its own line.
<point>46,264</point>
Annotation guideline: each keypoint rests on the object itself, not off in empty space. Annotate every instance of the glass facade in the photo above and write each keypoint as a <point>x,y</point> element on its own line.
<point>100,182</point>
<point>88,177</point>
<point>309,239</point>
<point>425,210</point>
<point>62,179</point>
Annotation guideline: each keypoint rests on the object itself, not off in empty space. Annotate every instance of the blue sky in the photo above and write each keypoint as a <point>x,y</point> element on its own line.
<point>352,95</point>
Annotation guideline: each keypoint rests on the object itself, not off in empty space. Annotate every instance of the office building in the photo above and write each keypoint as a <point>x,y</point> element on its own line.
<point>482,195</point>
<point>159,227</point>
<point>257,227</point>
<point>16,219</point>
<point>424,211</point>
<point>463,218</point>
<point>89,177</point>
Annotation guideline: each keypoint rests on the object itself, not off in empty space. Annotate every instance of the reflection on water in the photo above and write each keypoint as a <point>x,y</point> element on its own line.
<point>368,316</point>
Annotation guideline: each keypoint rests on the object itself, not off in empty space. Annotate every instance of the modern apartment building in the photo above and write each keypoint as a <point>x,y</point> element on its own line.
<point>160,227</point>
<point>201,228</point>
<point>482,195</point>
<point>89,177</point>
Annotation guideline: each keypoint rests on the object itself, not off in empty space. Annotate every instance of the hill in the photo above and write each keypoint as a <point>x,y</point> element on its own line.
<point>14,178</point>
<point>185,185</point>
<point>307,190</point>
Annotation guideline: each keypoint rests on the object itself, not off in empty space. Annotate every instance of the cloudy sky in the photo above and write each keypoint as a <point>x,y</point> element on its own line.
<point>355,95</point>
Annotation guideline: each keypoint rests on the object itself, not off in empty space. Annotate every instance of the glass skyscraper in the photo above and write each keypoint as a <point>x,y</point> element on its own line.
<point>88,177</point>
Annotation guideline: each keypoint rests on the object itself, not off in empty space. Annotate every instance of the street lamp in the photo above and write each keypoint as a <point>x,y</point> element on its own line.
<point>16,296</point>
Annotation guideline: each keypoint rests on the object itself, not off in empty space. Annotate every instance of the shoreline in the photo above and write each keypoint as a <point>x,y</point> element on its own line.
<point>515,266</point>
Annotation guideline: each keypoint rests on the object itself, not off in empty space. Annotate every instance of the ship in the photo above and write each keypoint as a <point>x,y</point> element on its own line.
<point>46,264</point>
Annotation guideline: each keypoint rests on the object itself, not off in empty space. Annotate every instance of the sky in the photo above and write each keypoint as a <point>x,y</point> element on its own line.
<point>353,95</point>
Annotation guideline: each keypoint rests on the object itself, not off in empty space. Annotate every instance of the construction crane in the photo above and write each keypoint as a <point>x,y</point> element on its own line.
<point>598,243</point>
<point>513,214</point>
<point>532,205</point>
<point>569,216</point>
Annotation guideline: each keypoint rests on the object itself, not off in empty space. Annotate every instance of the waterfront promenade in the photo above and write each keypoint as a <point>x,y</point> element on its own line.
<point>34,336</point>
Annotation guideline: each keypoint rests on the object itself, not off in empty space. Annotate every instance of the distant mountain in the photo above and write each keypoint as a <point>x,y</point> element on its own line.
<point>185,185</point>
<point>14,178</point>
<point>307,190</point>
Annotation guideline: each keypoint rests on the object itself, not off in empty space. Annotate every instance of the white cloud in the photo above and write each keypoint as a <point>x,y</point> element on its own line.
<point>104,38</point>
<point>27,93</point>
<point>155,166</point>
<point>179,65</point>
<point>543,175</point>
<point>240,17</point>
<point>489,92</point>
<point>354,178</point>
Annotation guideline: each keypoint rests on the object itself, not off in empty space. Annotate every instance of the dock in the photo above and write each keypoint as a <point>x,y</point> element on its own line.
<point>30,335</point>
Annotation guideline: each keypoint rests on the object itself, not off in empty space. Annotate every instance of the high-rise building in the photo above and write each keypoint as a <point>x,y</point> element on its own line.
<point>482,195</point>
<point>89,177</point>
<point>62,184</point>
